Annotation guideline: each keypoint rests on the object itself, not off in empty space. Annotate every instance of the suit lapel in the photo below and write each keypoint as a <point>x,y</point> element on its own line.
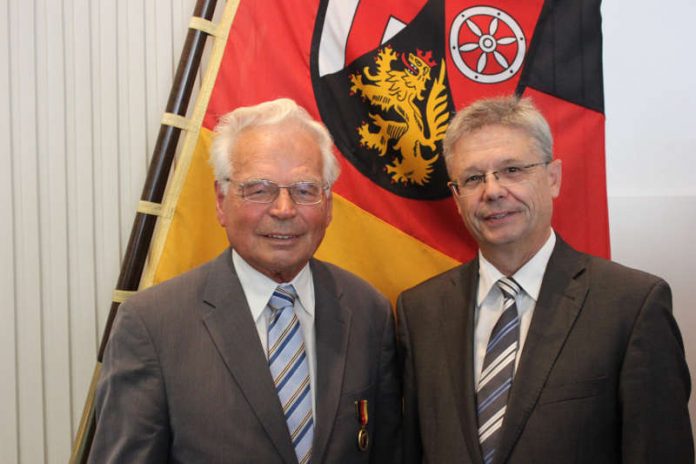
<point>233,332</point>
<point>456,317</point>
<point>561,297</point>
<point>332,326</point>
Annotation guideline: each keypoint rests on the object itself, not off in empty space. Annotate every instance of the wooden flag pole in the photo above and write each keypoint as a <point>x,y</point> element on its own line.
<point>153,191</point>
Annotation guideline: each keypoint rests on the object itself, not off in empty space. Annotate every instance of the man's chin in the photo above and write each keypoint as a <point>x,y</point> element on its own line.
<point>286,267</point>
<point>500,239</point>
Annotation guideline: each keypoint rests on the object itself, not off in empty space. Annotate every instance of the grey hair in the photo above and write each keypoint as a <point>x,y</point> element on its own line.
<point>232,124</point>
<point>509,111</point>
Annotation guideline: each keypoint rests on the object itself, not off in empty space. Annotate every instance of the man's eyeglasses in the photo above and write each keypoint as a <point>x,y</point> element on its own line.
<point>266,191</point>
<point>506,176</point>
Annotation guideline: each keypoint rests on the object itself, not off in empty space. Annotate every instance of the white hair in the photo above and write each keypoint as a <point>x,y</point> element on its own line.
<point>268,113</point>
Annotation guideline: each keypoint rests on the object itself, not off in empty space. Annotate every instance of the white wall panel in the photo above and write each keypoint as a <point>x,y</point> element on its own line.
<point>51,151</point>
<point>160,54</point>
<point>132,140</point>
<point>650,99</point>
<point>80,103</point>
<point>8,353</point>
<point>83,330</point>
<point>181,15</point>
<point>107,153</point>
<point>25,181</point>
<point>81,100</point>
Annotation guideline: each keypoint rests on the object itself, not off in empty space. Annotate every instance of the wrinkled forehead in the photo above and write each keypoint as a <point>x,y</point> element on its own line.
<point>282,132</point>
<point>277,150</point>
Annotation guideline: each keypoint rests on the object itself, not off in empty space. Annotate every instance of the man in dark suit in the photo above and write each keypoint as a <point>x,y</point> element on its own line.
<point>263,355</point>
<point>534,352</point>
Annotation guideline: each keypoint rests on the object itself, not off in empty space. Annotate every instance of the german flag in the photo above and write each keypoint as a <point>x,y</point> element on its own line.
<point>386,76</point>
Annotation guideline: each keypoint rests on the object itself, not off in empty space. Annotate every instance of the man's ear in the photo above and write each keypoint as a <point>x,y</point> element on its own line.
<point>329,207</point>
<point>220,203</point>
<point>554,170</point>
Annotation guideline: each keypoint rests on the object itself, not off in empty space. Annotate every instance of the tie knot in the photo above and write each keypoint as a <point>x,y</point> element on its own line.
<point>509,287</point>
<point>283,297</point>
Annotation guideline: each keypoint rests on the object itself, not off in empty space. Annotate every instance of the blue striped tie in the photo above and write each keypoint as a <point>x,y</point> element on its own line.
<point>290,370</point>
<point>497,371</point>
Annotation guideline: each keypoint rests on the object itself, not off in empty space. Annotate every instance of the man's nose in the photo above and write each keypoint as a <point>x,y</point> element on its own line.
<point>283,205</point>
<point>492,188</point>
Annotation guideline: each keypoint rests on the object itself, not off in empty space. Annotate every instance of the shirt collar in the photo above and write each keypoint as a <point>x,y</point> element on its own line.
<point>258,287</point>
<point>529,276</point>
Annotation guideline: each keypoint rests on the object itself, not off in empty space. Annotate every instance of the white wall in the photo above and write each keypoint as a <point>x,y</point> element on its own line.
<point>82,89</point>
<point>80,104</point>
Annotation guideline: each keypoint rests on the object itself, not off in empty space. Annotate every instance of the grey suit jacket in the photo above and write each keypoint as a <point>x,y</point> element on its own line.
<point>185,379</point>
<point>602,377</point>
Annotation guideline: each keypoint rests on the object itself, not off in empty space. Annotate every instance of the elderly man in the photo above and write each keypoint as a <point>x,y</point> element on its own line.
<point>534,352</point>
<point>263,355</point>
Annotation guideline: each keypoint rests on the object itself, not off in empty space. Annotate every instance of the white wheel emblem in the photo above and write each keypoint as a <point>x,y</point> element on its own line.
<point>489,45</point>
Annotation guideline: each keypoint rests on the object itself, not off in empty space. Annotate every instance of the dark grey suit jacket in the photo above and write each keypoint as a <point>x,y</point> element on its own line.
<point>185,379</point>
<point>602,377</point>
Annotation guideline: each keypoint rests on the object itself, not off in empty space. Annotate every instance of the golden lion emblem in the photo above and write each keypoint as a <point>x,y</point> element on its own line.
<point>400,90</point>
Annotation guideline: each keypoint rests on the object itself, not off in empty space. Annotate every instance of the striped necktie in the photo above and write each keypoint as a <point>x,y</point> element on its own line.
<point>290,370</point>
<point>497,371</point>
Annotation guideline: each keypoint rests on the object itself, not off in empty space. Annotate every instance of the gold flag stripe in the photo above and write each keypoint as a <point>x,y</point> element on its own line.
<point>175,120</point>
<point>388,258</point>
<point>203,25</point>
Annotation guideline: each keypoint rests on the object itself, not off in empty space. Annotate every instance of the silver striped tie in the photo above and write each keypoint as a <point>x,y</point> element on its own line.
<point>290,370</point>
<point>497,371</point>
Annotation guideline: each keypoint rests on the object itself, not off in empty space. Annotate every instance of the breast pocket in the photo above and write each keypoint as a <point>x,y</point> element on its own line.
<point>573,391</point>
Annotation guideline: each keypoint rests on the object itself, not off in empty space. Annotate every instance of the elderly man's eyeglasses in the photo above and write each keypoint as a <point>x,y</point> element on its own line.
<point>266,191</point>
<point>505,177</point>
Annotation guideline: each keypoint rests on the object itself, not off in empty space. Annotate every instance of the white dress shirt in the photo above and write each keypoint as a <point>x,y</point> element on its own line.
<point>258,289</point>
<point>489,300</point>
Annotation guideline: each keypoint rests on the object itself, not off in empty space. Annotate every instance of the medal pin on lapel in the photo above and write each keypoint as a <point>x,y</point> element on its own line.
<point>362,415</point>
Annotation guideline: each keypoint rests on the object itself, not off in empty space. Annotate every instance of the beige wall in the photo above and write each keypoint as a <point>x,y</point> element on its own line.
<point>81,101</point>
<point>80,104</point>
